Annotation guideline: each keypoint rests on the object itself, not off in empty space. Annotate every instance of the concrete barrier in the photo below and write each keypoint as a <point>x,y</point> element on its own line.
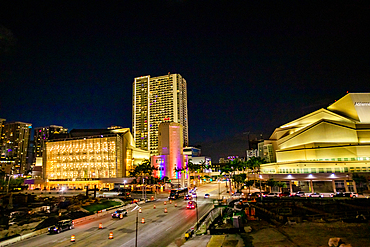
<point>22,237</point>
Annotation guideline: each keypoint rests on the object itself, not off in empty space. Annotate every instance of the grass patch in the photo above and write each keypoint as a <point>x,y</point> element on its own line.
<point>99,206</point>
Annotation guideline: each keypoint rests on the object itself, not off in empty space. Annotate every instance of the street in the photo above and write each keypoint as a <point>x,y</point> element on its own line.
<point>159,229</point>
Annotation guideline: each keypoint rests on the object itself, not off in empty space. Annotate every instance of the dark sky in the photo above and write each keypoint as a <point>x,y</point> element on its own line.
<point>249,66</point>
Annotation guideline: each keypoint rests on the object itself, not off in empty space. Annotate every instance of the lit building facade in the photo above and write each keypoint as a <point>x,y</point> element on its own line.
<point>170,151</point>
<point>91,157</point>
<point>324,149</point>
<point>157,100</point>
<point>15,139</point>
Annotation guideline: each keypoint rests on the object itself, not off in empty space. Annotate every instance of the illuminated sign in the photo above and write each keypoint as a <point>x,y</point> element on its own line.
<point>362,103</point>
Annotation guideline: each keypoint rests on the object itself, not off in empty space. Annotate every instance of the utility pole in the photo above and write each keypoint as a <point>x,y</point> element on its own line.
<point>219,191</point>
<point>260,187</point>
<point>197,211</point>
<point>137,221</point>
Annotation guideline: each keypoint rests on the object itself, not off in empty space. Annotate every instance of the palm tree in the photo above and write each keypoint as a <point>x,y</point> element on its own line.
<point>249,183</point>
<point>271,183</point>
<point>254,164</point>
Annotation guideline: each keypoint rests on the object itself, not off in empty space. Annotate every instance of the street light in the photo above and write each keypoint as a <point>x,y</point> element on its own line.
<point>219,190</point>
<point>197,209</point>
<point>260,187</point>
<point>137,221</point>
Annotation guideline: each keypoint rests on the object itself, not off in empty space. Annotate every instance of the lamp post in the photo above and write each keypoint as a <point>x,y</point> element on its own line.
<point>137,221</point>
<point>219,190</point>
<point>260,187</point>
<point>197,210</point>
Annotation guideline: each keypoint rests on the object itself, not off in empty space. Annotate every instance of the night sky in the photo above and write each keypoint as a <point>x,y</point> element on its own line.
<point>250,67</point>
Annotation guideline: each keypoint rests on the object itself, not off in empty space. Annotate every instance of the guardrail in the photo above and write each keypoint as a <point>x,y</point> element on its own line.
<point>190,232</point>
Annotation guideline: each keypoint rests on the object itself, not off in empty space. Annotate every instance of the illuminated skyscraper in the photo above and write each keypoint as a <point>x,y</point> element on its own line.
<point>157,100</point>
<point>15,139</point>
<point>41,136</point>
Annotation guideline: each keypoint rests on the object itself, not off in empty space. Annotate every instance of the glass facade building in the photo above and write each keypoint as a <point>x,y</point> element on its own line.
<point>156,100</point>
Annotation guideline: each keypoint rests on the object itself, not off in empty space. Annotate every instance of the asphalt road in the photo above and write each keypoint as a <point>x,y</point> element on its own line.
<point>159,229</point>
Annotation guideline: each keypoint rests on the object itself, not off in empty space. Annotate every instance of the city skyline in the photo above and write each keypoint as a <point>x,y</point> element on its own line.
<point>249,66</point>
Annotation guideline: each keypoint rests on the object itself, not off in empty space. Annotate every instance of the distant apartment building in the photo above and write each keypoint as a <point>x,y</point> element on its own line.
<point>252,153</point>
<point>41,136</point>
<point>266,151</point>
<point>15,137</point>
<point>192,151</point>
<point>157,100</point>
<point>2,121</point>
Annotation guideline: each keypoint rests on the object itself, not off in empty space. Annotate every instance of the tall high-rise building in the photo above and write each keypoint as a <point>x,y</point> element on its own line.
<point>15,139</point>
<point>41,136</point>
<point>1,126</point>
<point>157,100</point>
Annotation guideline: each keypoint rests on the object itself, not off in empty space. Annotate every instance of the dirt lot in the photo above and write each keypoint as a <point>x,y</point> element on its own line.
<point>308,234</point>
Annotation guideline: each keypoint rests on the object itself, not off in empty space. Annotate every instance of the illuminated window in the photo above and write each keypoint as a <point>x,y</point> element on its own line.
<point>321,170</point>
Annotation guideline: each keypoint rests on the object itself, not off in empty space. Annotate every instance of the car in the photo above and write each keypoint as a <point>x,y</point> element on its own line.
<point>118,213</point>
<point>300,194</point>
<point>194,195</point>
<point>206,196</point>
<point>191,205</point>
<point>62,225</point>
<point>346,194</point>
<point>258,194</point>
<point>316,194</point>
<point>272,194</point>
<point>187,197</point>
<point>284,194</point>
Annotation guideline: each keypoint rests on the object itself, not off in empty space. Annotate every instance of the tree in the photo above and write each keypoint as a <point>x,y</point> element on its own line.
<point>195,167</point>
<point>249,183</point>
<point>281,185</point>
<point>239,179</point>
<point>271,183</point>
<point>142,170</point>
<point>360,181</point>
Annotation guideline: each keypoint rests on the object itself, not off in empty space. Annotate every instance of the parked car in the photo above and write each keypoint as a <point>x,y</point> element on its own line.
<point>284,194</point>
<point>316,194</point>
<point>187,197</point>
<point>346,194</point>
<point>258,194</point>
<point>191,205</point>
<point>300,194</point>
<point>62,225</point>
<point>119,212</point>
<point>272,194</point>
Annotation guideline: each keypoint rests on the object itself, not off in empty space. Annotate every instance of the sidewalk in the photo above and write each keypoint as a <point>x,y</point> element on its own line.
<point>228,240</point>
